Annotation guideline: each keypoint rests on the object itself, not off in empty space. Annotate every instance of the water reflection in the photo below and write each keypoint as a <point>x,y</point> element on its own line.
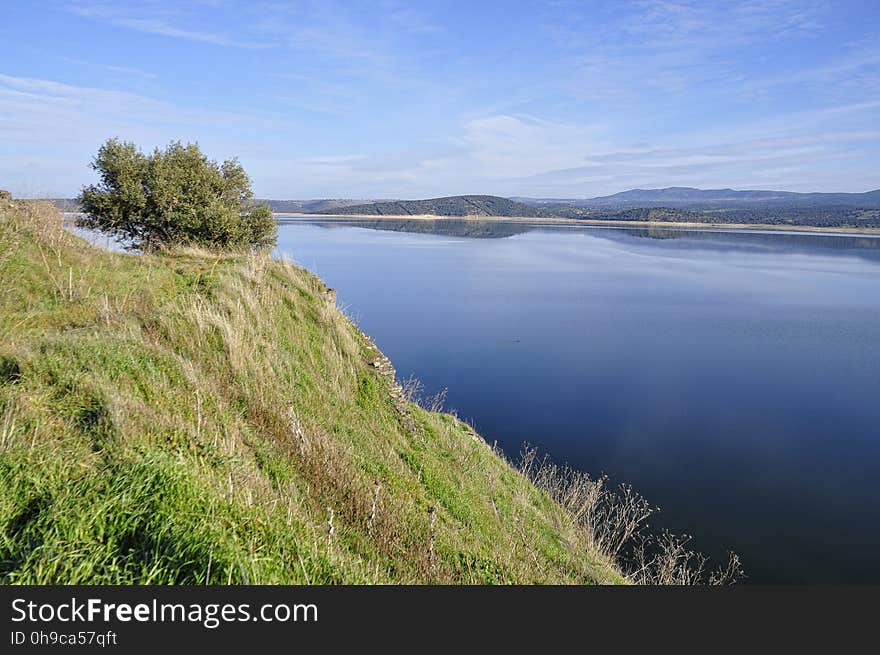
<point>473,229</point>
<point>867,246</point>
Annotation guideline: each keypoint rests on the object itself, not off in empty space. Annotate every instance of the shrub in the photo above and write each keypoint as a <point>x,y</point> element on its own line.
<point>175,196</point>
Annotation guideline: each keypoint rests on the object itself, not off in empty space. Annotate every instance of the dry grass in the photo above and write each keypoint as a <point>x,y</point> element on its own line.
<point>413,391</point>
<point>615,521</point>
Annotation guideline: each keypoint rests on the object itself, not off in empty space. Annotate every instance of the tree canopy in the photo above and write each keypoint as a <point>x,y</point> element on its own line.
<point>175,196</point>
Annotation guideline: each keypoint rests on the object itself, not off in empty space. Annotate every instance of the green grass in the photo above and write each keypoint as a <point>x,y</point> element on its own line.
<point>191,418</point>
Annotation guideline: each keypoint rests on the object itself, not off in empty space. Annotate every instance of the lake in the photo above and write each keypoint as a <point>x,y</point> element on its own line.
<point>733,378</point>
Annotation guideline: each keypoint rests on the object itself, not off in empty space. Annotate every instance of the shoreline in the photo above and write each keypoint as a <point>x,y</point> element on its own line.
<point>532,220</point>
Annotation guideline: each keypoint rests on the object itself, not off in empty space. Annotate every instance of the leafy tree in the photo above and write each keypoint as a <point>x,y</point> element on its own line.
<point>173,196</point>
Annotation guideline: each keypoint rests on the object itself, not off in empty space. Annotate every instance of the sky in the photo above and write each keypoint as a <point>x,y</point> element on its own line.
<point>393,99</point>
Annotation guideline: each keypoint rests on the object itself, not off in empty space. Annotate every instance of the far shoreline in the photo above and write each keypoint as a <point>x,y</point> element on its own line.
<point>533,220</point>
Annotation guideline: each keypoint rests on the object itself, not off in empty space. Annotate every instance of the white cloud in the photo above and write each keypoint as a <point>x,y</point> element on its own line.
<point>515,146</point>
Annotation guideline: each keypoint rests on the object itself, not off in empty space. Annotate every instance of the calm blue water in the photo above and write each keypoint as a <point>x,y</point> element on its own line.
<point>732,378</point>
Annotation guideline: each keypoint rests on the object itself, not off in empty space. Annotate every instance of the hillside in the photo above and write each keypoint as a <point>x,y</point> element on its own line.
<point>321,204</point>
<point>653,214</point>
<point>191,417</point>
<point>664,208</point>
<point>448,206</point>
<point>502,207</point>
<point>714,198</point>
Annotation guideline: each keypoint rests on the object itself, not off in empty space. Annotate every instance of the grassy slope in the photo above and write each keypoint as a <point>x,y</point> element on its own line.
<point>188,418</point>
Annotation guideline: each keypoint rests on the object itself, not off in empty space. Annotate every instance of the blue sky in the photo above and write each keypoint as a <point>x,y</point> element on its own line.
<point>419,99</point>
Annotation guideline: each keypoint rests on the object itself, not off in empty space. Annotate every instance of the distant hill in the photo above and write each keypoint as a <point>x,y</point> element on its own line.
<point>316,205</point>
<point>673,204</point>
<point>717,198</point>
<point>448,206</point>
<point>671,198</point>
<point>661,205</point>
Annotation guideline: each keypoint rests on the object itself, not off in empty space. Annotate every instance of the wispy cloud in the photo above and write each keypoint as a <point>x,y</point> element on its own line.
<point>689,23</point>
<point>755,163</point>
<point>44,122</point>
<point>504,146</point>
<point>672,46</point>
<point>853,71</point>
<point>50,108</point>
<point>156,19</point>
<point>129,72</point>
<point>511,155</point>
